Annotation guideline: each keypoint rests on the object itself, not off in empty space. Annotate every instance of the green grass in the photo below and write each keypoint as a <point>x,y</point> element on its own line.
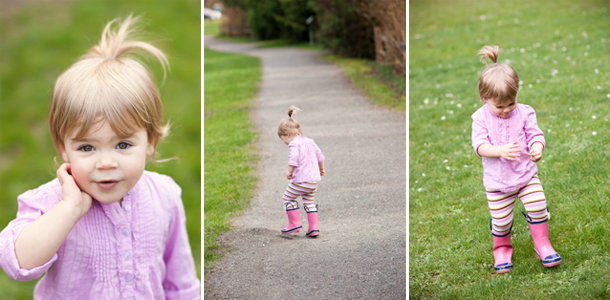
<point>231,83</point>
<point>375,80</point>
<point>211,27</point>
<point>560,51</point>
<point>40,41</point>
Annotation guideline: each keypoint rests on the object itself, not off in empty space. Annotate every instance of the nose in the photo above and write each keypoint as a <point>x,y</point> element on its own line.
<point>106,162</point>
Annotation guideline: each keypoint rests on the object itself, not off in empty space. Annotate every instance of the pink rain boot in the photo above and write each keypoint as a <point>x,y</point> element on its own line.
<point>503,253</point>
<point>294,219</point>
<point>542,245</point>
<point>312,219</point>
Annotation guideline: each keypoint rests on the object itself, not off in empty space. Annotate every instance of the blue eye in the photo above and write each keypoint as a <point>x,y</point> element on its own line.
<point>123,145</point>
<point>86,148</point>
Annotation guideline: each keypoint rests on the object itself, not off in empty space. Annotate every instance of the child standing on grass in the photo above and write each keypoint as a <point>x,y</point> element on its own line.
<point>105,228</point>
<point>305,166</point>
<point>506,135</point>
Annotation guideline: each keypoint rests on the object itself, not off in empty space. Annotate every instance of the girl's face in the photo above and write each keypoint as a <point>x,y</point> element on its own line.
<point>288,138</point>
<point>502,110</point>
<point>104,165</point>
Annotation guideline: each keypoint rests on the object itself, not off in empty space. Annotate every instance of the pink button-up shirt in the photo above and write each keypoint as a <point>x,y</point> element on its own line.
<point>500,174</point>
<point>305,155</point>
<point>137,251</point>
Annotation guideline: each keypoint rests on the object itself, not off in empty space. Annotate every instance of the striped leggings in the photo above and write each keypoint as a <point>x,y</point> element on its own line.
<point>501,206</point>
<point>307,190</point>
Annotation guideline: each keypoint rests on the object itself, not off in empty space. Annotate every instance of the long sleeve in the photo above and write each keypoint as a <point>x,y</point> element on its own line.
<point>180,280</point>
<point>480,134</point>
<point>32,204</point>
<point>293,154</point>
<point>319,154</point>
<point>533,133</point>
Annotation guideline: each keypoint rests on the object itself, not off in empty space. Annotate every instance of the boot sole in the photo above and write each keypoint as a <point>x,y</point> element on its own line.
<point>292,230</point>
<point>549,262</point>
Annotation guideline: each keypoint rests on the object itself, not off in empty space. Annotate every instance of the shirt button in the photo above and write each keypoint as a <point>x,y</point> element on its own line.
<point>128,277</point>
<point>125,232</point>
<point>127,207</point>
<point>127,255</point>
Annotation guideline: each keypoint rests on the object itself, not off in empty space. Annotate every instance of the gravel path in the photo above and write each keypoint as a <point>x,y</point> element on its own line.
<point>361,250</point>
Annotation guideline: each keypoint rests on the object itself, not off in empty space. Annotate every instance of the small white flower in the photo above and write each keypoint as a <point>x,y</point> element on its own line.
<point>423,174</point>
<point>465,166</point>
<point>570,109</point>
<point>426,101</point>
<point>567,125</point>
<point>459,105</point>
<point>594,133</point>
<point>594,117</point>
<point>445,161</point>
<point>419,190</point>
<point>530,85</point>
<point>579,122</point>
<point>608,95</point>
<point>564,49</point>
<point>537,80</point>
<point>549,130</point>
<point>443,118</point>
<point>449,95</point>
<point>452,102</point>
<point>555,62</point>
<point>572,77</point>
<point>450,112</point>
<point>586,53</point>
<point>516,21</point>
<point>567,58</point>
<point>599,87</point>
<point>520,82</point>
<point>448,168</point>
<point>596,71</point>
<point>522,50</point>
<point>482,17</point>
<point>588,47</point>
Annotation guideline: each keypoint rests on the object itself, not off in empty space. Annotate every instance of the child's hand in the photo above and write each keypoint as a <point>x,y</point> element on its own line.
<point>71,193</point>
<point>322,172</point>
<point>510,151</point>
<point>535,155</point>
<point>289,175</point>
<point>536,152</point>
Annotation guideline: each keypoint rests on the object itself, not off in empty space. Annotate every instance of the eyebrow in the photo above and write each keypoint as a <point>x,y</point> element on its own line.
<point>500,106</point>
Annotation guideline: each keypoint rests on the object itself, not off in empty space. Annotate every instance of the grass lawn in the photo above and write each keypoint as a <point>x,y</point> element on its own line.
<point>560,51</point>
<point>40,41</point>
<point>231,82</point>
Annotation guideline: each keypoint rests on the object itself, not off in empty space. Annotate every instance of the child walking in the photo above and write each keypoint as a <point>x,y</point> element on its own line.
<point>305,166</point>
<point>506,135</point>
<point>105,228</point>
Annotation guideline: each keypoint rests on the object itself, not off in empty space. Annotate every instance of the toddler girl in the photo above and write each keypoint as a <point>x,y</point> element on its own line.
<point>305,166</point>
<point>104,228</point>
<point>507,136</point>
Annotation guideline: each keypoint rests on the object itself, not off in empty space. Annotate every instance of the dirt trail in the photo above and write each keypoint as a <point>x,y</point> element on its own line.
<point>361,251</point>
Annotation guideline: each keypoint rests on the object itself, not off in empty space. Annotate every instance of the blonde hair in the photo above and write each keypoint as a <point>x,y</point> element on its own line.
<point>109,84</point>
<point>289,125</point>
<point>498,81</point>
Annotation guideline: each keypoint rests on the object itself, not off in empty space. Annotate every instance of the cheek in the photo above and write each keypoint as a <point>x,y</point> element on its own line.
<point>80,173</point>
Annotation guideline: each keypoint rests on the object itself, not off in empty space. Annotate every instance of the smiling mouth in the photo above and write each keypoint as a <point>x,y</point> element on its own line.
<point>107,184</point>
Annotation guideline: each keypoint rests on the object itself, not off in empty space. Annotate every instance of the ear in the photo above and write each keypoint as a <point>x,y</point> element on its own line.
<point>64,156</point>
<point>150,150</point>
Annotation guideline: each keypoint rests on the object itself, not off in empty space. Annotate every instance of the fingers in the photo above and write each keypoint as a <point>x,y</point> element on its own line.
<point>64,172</point>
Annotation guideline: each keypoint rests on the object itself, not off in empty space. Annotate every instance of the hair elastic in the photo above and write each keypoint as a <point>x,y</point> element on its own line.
<point>495,63</point>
